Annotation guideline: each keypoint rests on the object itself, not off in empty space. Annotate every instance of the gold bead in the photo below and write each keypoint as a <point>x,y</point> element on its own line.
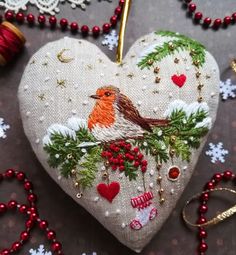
<point>198,74</point>
<point>73,172</point>
<point>158,79</point>
<point>69,156</point>
<point>150,62</point>
<point>162,201</point>
<point>154,152</point>
<point>156,70</point>
<point>79,195</point>
<point>172,152</point>
<point>159,179</point>
<point>192,52</point>
<point>176,60</point>
<point>200,99</point>
<point>105,175</point>
<point>161,191</point>
<point>159,166</point>
<point>200,86</point>
<point>107,164</point>
<point>76,184</point>
<point>171,46</point>
<point>173,139</point>
<point>196,62</point>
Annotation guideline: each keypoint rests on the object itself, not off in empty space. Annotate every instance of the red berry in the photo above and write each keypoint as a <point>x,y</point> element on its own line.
<point>121,168</point>
<point>32,198</point>
<point>52,21</point>
<point>23,208</point>
<point>140,156</point>
<point>192,7</point>
<point>10,173</point>
<point>115,161</point>
<point>203,209</point>
<point>84,30</point>
<point>136,164</point>
<point>198,16</point>
<point>114,168</point>
<point>136,150</point>
<point>9,16</point>
<point>210,185</point>
<point>204,197</point>
<point>202,233</point>
<point>106,28</point>
<point>144,163</point>
<point>12,204</point>
<point>28,185</point>
<point>122,162</point>
<point>16,246</point>
<point>41,20</point>
<point>51,235</point>
<point>43,224</point>
<point>29,223</point>
<point>144,169</point>
<point>56,246</point>
<point>228,175</point>
<point>217,177</point>
<point>24,236</point>
<point>20,17</point>
<point>109,154</point>
<point>201,220</point>
<point>113,20</point>
<point>96,31</point>
<point>217,23</point>
<point>207,21</point>
<point>20,176</point>
<point>128,146</point>
<point>63,23</point>
<point>120,156</point>
<point>234,16</point>
<point>74,27</point>
<point>203,247</point>
<point>3,208</point>
<point>104,154</point>
<point>227,20</point>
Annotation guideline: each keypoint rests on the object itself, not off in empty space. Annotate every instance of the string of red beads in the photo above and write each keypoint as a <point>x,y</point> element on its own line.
<point>64,24</point>
<point>208,22</point>
<point>203,208</point>
<point>30,211</point>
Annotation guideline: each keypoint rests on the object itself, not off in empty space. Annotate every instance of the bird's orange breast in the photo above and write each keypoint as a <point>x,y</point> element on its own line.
<point>103,115</point>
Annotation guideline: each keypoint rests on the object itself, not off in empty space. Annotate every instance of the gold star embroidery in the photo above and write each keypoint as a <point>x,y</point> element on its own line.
<point>61,83</point>
<point>42,97</point>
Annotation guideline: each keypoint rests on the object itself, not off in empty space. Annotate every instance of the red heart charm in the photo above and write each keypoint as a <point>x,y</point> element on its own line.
<point>108,191</point>
<point>179,80</point>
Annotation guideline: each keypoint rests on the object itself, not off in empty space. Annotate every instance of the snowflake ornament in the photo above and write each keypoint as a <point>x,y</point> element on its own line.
<point>39,251</point>
<point>3,128</point>
<point>227,89</point>
<point>217,152</point>
<point>111,40</point>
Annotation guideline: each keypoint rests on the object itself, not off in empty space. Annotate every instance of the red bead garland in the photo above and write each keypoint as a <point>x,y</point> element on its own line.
<point>32,215</point>
<point>203,208</point>
<point>207,22</point>
<point>64,23</point>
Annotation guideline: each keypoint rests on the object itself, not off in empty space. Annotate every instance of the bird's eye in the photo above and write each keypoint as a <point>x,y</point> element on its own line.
<point>107,94</point>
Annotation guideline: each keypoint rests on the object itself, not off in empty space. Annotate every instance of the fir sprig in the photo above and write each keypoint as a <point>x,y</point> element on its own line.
<point>179,43</point>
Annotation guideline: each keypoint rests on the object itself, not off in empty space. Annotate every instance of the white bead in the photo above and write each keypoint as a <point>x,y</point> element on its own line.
<point>26,87</point>
<point>102,74</point>
<point>41,119</point>
<point>57,155</point>
<point>185,168</point>
<point>103,168</point>
<point>151,185</point>
<point>85,102</point>
<point>123,225</point>
<point>155,109</point>
<point>187,68</point>
<point>37,141</point>
<point>28,114</point>
<point>139,103</point>
<point>106,213</point>
<point>144,77</point>
<point>73,112</point>
<point>96,199</point>
<point>172,191</point>
<point>144,88</point>
<point>46,104</point>
<point>47,79</point>
<point>117,211</point>
<point>170,95</point>
<point>151,172</point>
<point>139,189</point>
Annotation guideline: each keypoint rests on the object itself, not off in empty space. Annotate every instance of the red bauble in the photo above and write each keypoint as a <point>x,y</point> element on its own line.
<point>198,16</point>
<point>16,246</point>
<point>106,28</point>
<point>24,236</point>
<point>3,208</point>
<point>12,204</point>
<point>52,21</point>
<point>20,17</point>
<point>217,23</point>
<point>96,31</point>
<point>9,16</point>
<point>84,30</point>
<point>203,247</point>
<point>41,20</point>
<point>192,7</point>
<point>74,27</point>
<point>43,224</point>
<point>51,235</point>
<point>30,18</point>
<point>56,246</point>
<point>227,20</point>
<point>228,175</point>
<point>28,185</point>
<point>21,176</point>
<point>10,173</point>
<point>113,20</point>
<point>63,23</point>
<point>207,21</point>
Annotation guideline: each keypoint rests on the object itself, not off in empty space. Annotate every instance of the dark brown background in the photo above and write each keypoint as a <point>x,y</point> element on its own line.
<point>76,229</point>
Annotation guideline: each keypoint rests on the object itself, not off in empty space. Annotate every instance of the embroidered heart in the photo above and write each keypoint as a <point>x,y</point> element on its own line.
<point>179,80</point>
<point>95,121</point>
<point>108,191</point>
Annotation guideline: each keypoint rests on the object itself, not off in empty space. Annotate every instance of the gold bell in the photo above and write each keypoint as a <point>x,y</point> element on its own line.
<point>150,62</point>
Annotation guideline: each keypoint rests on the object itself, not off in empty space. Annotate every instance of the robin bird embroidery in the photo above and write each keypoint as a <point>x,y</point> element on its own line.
<point>114,117</point>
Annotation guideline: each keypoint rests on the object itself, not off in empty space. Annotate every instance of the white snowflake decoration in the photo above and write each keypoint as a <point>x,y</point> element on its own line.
<point>3,128</point>
<point>227,89</point>
<point>40,251</point>
<point>111,40</point>
<point>45,6</point>
<point>217,152</point>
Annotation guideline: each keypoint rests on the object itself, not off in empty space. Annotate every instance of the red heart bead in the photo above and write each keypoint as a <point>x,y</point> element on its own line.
<point>179,80</point>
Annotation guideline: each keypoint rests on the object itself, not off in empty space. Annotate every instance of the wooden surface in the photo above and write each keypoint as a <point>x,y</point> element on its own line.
<point>76,229</point>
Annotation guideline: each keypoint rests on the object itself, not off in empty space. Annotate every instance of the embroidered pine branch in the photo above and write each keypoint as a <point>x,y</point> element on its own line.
<point>179,43</point>
<point>182,135</point>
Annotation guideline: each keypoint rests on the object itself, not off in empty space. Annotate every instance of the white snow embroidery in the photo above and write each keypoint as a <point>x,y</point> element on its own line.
<point>217,152</point>
<point>111,40</point>
<point>40,251</point>
<point>3,128</point>
<point>45,6</point>
<point>227,89</point>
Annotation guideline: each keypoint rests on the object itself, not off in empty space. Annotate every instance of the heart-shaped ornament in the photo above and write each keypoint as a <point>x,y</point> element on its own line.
<point>179,80</point>
<point>121,135</point>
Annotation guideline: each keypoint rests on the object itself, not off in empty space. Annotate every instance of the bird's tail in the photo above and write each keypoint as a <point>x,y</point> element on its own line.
<point>157,122</point>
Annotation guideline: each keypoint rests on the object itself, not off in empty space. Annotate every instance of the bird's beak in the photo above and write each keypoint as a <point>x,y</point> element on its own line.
<point>95,96</point>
